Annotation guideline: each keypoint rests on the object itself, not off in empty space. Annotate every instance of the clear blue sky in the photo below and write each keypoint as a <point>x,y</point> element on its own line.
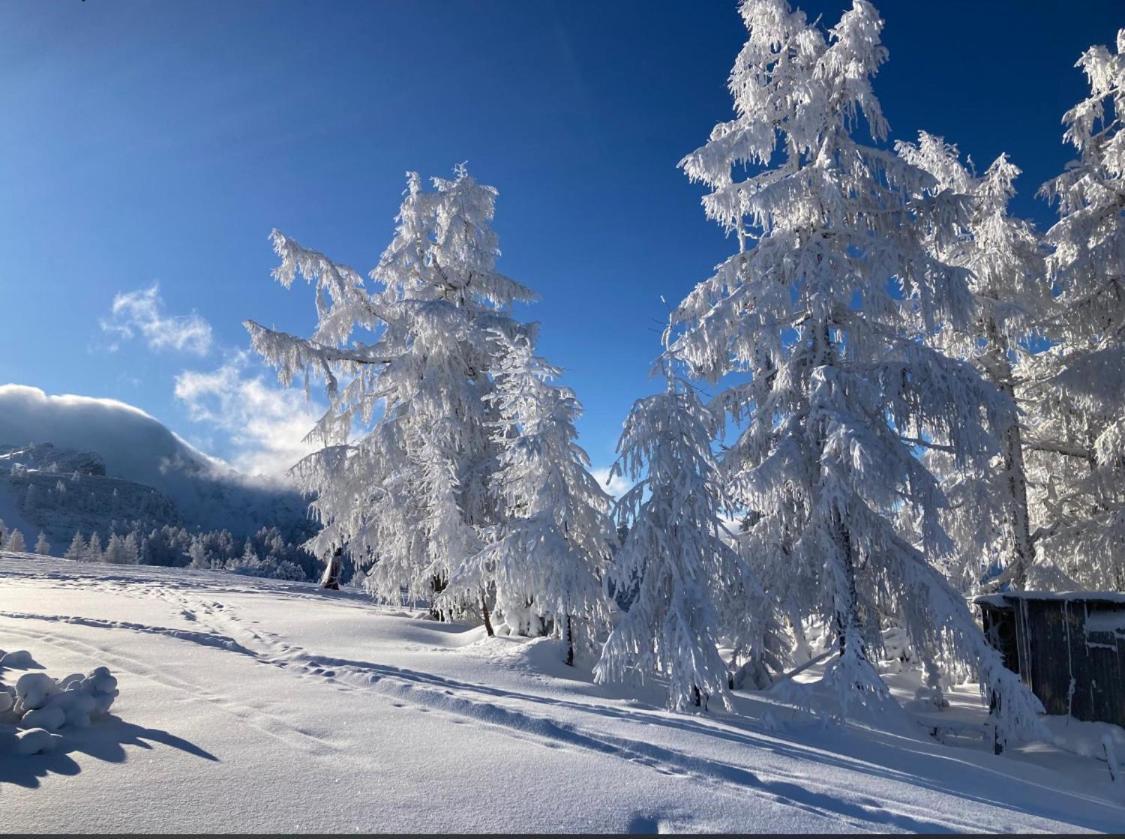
<point>146,142</point>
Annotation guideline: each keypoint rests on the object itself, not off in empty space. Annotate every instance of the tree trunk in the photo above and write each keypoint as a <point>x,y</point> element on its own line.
<point>1022,553</point>
<point>484,611</point>
<point>437,584</point>
<point>331,578</point>
<point>569,660</point>
<point>847,613</point>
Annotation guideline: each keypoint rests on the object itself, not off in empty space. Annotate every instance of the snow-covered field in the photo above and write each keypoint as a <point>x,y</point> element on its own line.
<point>253,705</point>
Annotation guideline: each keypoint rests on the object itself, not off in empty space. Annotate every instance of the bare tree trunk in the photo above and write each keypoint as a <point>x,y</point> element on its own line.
<point>437,584</point>
<point>569,660</point>
<point>848,620</point>
<point>484,611</point>
<point>331,578</point>
<point>1022,554</point>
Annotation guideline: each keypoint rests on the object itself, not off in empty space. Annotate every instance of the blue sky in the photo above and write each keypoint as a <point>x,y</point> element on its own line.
<point>158,143</point>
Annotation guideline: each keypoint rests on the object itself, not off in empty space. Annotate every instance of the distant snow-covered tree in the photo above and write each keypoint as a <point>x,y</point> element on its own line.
<point>42,546</point>
<point>828,307</point>
<point>77,549</point>
<point>93,549</point>
<point>674,560</point>
<point>117,551</point>
<point>200,558</point>
<point>403,478</point>
<point>543,563</point>
<point>1079,427</point>
<point>15,541</point>
<point>131,545</point>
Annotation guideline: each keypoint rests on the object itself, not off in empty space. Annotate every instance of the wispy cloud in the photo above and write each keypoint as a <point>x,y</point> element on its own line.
<point>264,423</point>
<point>141,314</point>
<point>615,486</point>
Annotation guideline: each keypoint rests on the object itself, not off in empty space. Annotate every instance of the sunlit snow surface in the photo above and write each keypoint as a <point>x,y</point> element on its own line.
<point>253,705</point>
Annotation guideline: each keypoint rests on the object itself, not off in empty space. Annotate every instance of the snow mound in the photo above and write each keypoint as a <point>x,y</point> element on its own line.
<point>17,660</point>
<point>37,706</point>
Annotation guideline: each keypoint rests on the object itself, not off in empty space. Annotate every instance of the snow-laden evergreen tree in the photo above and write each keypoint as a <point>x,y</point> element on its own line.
<point>200,558</point>
<point>827,306</point>
<point>404,478</point>
<point>1079,427</point>
<point>131,545</point>
<point>77,549</point>
<point>116,553</point>
<point>544,562</point>
<point>15,541</point>
<point>675,563</point>
<point>42,546</point>
<point>93,551</point>
<point>988,515</point>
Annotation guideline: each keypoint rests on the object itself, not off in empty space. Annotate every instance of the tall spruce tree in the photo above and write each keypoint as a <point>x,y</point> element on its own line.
<point>989,516</point>
<point>1078,431</point>
<point>675,562</point>
<point>828,307</point>
<point>403,479</point>
<point>543,563</point>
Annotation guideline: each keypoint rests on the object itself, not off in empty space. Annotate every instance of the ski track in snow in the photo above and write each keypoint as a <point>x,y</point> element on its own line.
<point>472,703</point>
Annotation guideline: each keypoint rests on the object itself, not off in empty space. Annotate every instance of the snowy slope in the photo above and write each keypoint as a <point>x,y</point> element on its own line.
<point>136,447</point>
<point>249,705</point>
<point>13,516</point>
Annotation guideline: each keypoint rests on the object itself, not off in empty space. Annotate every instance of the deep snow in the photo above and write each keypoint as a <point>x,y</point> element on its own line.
<point>255,705</point>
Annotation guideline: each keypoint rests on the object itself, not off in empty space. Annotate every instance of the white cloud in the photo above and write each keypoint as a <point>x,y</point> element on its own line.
<point>616,486</point>
<point>265,424</point>
<point>141,312</point>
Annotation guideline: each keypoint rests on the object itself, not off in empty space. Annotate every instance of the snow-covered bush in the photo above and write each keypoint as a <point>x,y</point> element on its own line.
<point>37,707</point>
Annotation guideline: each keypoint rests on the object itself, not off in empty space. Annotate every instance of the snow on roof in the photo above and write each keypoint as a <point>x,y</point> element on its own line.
<point>1007,597</point>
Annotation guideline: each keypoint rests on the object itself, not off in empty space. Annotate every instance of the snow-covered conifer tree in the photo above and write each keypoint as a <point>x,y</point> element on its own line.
<point>827,306</point>
<point>42,546</point>
<point>544,562</point>
<point>93,549</point>
<point>114,553</point>
<point>403,480</point>
<point>200,558</point>
<point>15,541</point>
<point>674,559</point>
<point>131,547</point>
<point>77,549</point>
<point>989,515</point>
<point>1078,429</point>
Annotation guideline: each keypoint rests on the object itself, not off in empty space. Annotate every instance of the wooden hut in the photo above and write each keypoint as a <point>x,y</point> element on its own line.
<point>1069,648</point>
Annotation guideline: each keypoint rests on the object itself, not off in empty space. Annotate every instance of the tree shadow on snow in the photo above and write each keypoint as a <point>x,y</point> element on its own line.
<point>104,740</point>
<point>882,756</point>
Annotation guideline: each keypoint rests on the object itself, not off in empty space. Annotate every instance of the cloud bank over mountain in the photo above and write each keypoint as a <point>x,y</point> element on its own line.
<point>137,447</point>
